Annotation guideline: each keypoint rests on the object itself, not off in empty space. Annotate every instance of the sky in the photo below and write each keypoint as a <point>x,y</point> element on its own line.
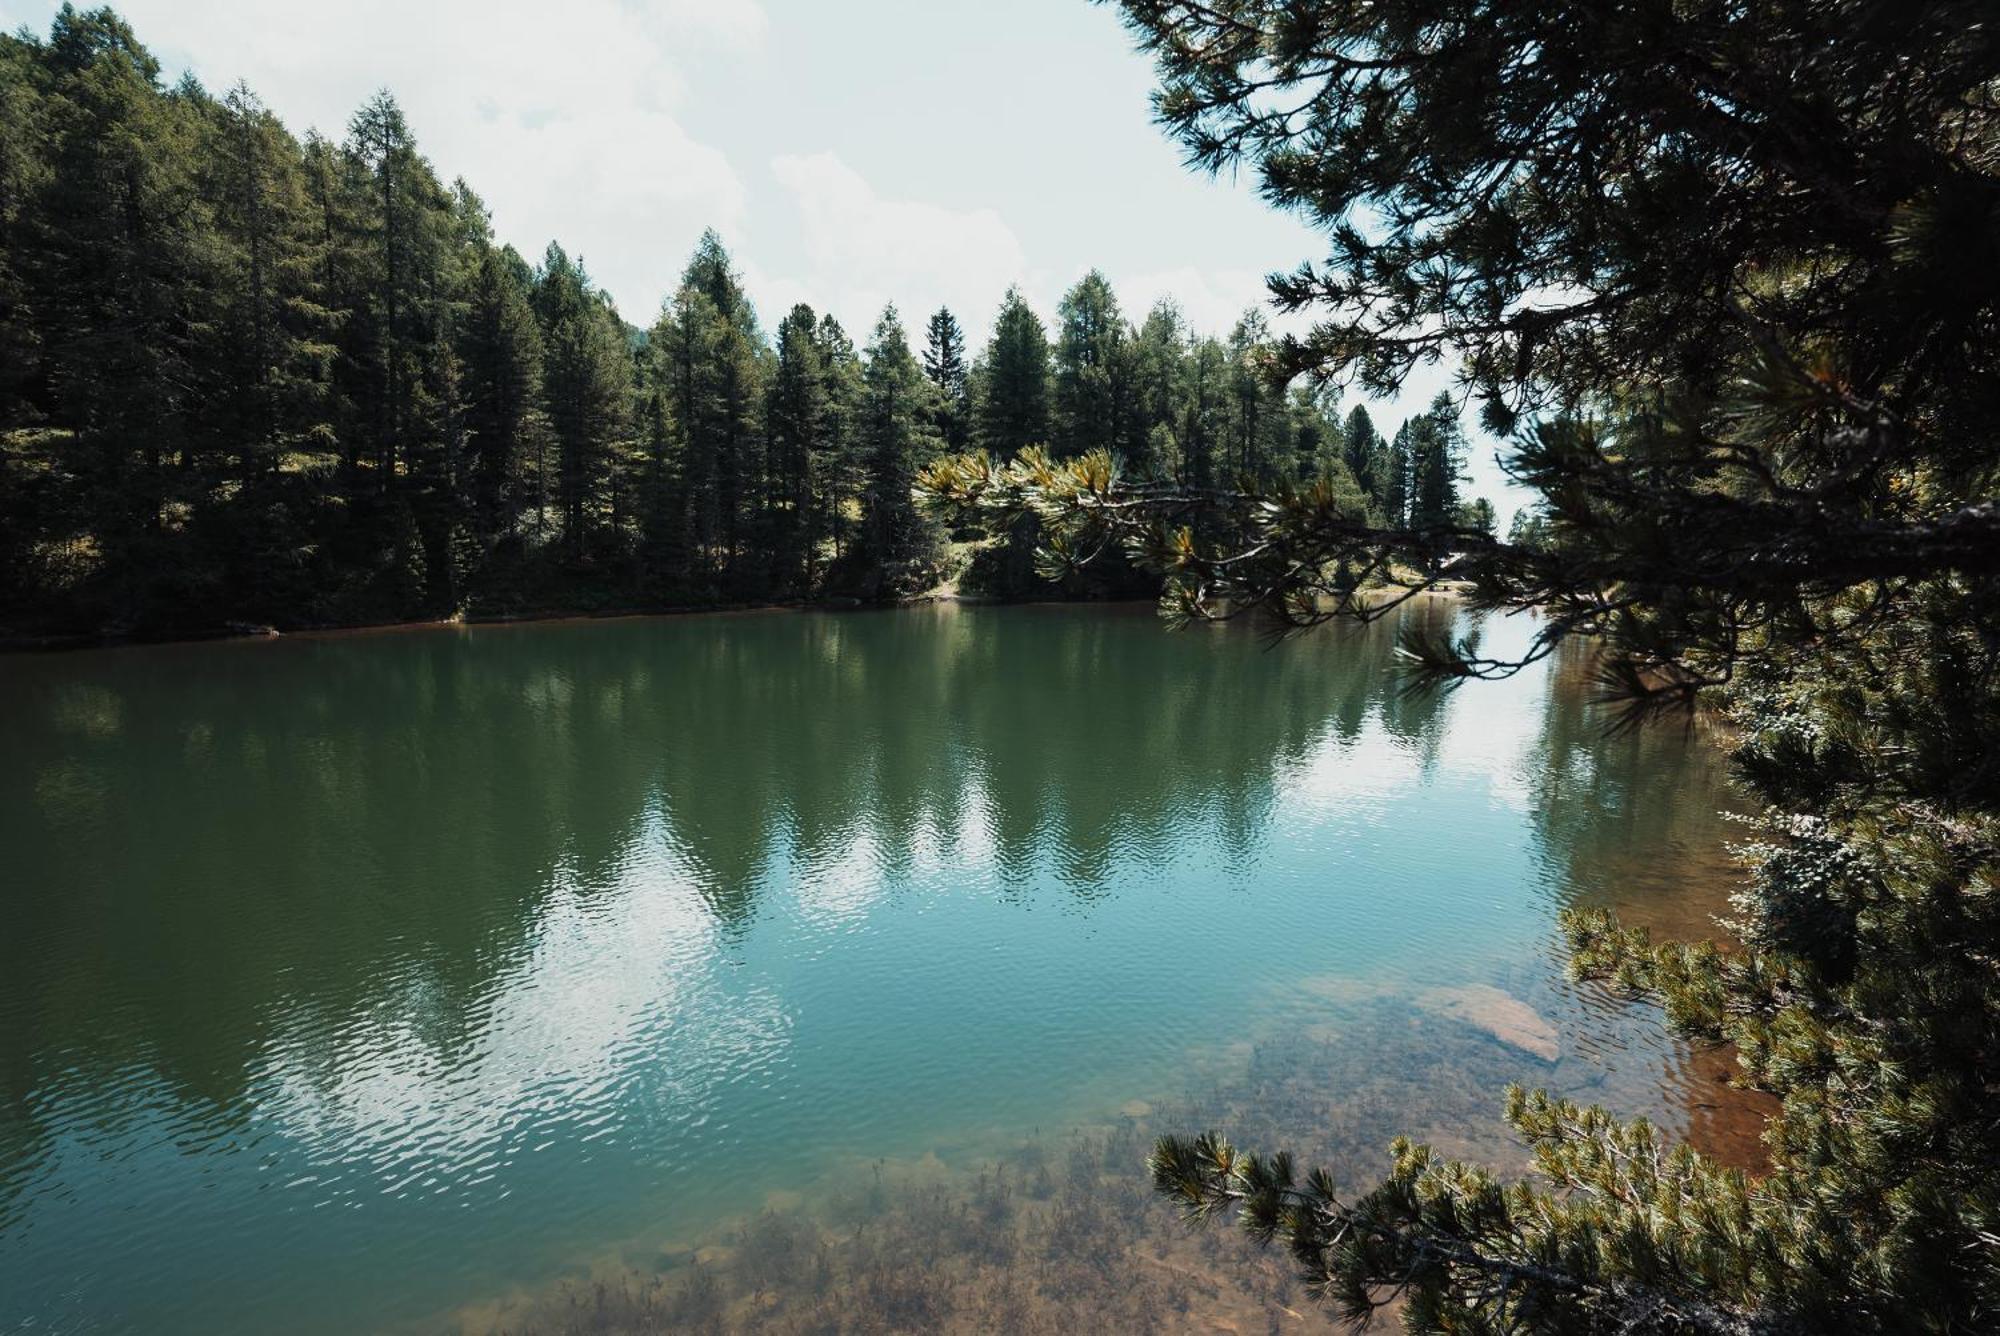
<point>850,152</point>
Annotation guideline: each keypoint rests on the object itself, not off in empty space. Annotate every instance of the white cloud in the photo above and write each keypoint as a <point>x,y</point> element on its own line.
<point>863,251</point>
<point>562,119</point>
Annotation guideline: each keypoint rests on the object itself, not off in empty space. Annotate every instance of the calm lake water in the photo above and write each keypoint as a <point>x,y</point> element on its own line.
<point>423,979</point>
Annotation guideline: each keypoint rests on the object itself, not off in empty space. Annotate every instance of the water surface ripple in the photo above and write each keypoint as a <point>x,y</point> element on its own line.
<point>349,980</point>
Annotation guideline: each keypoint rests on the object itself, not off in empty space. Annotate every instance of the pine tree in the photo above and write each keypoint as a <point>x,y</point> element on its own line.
<point>1367,456</point>
<point>24,169</point>
<point>897,437</point>
<point>274,335</point>
<point>1012,404</point>
<point>379,141</point>
<point>1400,485</point>
<point>666,545</point>
<point>1317,449</point>
<point>717,399</point>
<point>1437,453</point>
<point>1159,357</point>
<point>797,428</point>
<point>452,549</point>
<point>686,361</point>
<point>501,348</point>
<point>587,381</point>
<point>1257,431</point>
<point>1529,528</point>
<point>249,377</point>
<point>944,363</point>
<point>838,469</point>
<point>1093,392</point>
<point>1011,413</point>
<point>1205,425</point>
<point>336,259</point>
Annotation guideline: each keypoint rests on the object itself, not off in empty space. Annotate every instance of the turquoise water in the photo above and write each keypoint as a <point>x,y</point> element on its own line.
<point>352,981</point>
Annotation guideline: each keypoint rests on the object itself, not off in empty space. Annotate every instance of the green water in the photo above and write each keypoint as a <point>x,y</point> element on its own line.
<point>347,981</point>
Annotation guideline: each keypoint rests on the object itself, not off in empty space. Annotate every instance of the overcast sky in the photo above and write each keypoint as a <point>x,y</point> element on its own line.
<point>850,152</point>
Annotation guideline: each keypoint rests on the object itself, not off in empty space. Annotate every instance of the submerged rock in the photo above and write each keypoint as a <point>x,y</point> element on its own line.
<point>1502,1015</point>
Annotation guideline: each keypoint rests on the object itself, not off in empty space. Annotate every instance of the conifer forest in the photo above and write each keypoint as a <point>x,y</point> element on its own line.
<point>1330,893</point>
<point>253,380</point>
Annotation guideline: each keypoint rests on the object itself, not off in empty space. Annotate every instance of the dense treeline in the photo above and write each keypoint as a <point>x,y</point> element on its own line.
<point>249,378</point>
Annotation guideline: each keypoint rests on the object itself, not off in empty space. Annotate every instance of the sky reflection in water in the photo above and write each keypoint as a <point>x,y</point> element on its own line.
<point>350,979</point>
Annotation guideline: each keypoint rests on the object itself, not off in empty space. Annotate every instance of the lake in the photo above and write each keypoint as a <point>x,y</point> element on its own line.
<point>746,968</point>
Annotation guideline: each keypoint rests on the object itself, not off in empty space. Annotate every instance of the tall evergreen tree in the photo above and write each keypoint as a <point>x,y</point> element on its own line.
<point>379,140</point>
<point>587,382</point>
<point>719,404</point>
<point>1205,420</point>
<point>1012,404</point>
<point>501,348</point>
<point>1437,457</point>
<point>1477,516</point>
<point>1367,455</point>
<point>24,140</point>
<point>276,326</point>
<point>1093,389</point>
<point>797,428</point>
<point>686,359</point>
<point>944,363</point>
<point>337,197</point>
<point>839,468</point>
<point>666,548</point>
<point>1257,430</point>
<point>245,376</point>
<point>897,437</point>
<point>1159,367</point>
<point>1400,484</point>
<point>1316,438</point>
